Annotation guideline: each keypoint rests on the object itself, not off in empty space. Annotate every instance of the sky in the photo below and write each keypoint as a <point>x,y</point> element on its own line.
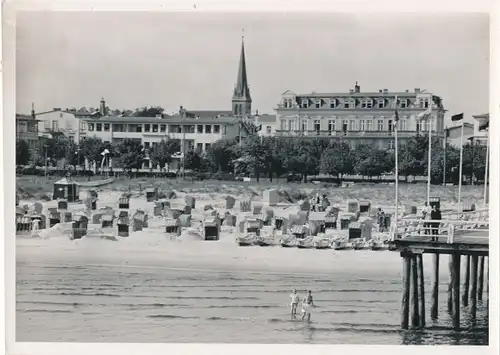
<point>135,59</point>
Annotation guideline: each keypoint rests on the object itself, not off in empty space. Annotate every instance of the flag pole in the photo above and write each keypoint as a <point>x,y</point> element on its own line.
<point>444,155</point>
<point>396,173</point>
<point>460,166</point>
<point>486,170</point>
<point>429,158</point>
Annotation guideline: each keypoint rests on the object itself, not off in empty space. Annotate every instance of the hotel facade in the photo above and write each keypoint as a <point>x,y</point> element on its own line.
<point>358,117</point>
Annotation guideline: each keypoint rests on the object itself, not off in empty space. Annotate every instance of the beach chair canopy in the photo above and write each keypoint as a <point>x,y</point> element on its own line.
<point>253,223</point>
<point>107,218</point>
<point>365,203</point>
<point>299,230</point>
<point>170,222</point>
<point>355,225</point>
<point>330,219</point>
<point>345,216</point>
<point>317,216</point>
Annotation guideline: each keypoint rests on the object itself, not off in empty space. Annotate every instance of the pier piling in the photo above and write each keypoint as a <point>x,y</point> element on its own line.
<point>421,291</point>
<point>473,290</point>
<point>480,280</point>
<point>465,295</point>
<point>487,276</point>
<point>455,279</point>
<point>405,300</point>
<point>435,286</point>
<point>414,294</point>
<point>450,284</point>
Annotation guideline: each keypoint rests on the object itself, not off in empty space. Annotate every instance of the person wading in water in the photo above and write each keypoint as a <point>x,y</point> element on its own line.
<point>294,303</point>
<point>307,306</point>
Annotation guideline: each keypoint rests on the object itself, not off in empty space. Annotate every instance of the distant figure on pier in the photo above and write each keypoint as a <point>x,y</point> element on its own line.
<point>294,303</point>
<point>381,220</point>
<point>426,215</point>
<point>435,216</point>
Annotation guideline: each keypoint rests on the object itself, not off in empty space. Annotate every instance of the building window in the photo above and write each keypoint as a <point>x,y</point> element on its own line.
<point>304,103</point>
<point>208,128</point>
<point>369,125</point>
<point>188,128</point>
<point>199,147</point>
<point>352,103</point>
<point>362,125</point>
<point>216,128</point>
<point>391,144</point>
<point>346,103</point>
<point>91,126</point>
<point>146,145</point>
<point>366,103</point>
<point>283,125</point>
<point>163,128</point>
<point>331,125</point>
<point>404,103</point>
<point>207,146</point>
<point>55,126</point>
<point>155,128</point>
<point>224,130</point>
<point>118,127</point>
<point>147,127</point>
<point>333,103</point>
<point>390,125</point>
<point>380,126</point>
<point>424,103</point>
<point>98,127</point>
<point>381,103</point>
<point>268,129</point>
<point>344,125</point>
<point>304,126</point>
<point>318,103</point>
<point>199,128</point>
<point>353,125</point>
<point>402,124</point>
<point>106,127</point>
<point>317,125</point>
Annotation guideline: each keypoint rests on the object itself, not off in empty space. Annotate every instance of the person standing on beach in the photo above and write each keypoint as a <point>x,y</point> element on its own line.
<point>435,216</point>
<point>307,306</point>
<point>294,303</point>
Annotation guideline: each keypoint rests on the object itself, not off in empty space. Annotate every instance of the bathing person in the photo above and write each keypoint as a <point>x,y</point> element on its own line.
<point>307,306</point>
<point>294,303</point>
<point>426,215</point>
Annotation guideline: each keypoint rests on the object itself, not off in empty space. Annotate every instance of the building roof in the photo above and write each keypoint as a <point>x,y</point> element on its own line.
<point>209,113</point>
<point>362,94</point>
<point>22,117</point>
<point>265,119</point>
<point>482,116</point>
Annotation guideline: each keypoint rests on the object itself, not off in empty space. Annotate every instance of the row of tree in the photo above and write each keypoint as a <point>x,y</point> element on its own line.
<point>270,157</point>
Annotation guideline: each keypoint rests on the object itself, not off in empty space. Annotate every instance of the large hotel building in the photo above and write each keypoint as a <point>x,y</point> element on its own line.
<point>358,117</point>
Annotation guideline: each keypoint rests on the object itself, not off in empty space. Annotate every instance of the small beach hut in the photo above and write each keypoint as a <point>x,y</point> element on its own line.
<point>300,232</point>
<point>352,206</point>
<point>62,205</point>
<point>187,210</point>
<point>123,224</point>
<point>65,189</point>
<point>67,216</point>
<point>245,205</point>
<point>139,220</point>
<point>317,222</point>
<point>208,207</point>
<point>107,221</point>
<point>158,209</point>
<point>173,213</point>
<point>281,223</point>
<point>211,228</point>
<point>124,202</point>
<point>151,194</point>
<point>354,230</point>
<point>42,221</point>
<point>229,219</point>
<point>468,207</point>
<point>79,226</point>
<point>330,222</point>
<point>173,226</point>
<point>345,219</point>
<point>435,201</point>
<point>270,197</point>
<point>230,202</point>
<point>191,201</point>
<point>185,220</point>
<point>361,230</point>
<point>54,218</point>
<point>257,209</point>
<point>96,218</point>
<point>253,225</point>
<point>365,206</point>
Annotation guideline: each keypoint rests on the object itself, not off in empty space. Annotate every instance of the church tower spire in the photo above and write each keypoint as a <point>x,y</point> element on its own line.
<point>242,101</point>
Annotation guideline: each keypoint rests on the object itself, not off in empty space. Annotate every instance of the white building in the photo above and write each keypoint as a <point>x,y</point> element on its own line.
<point>60,121</point>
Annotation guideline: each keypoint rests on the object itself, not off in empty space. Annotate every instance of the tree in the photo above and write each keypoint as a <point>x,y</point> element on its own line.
<point>91,148</point>
<point>221,154</point>
<point>161,153</point>
<point>372,162</point>
<point>337,160</point>
<point>131,155</point>
<point>151,111</point>
<point>23,154</point>
<point>195,161</point>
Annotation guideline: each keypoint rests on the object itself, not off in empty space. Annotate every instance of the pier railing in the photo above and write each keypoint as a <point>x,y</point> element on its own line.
<point>447,229</point>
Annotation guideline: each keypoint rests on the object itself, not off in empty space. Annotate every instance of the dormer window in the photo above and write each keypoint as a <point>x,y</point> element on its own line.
<point>319,103</point>
<point>304,103</point>
<point>367,103</point>
<point>381,103</point>
<point>333,103</point>
<point>403,103</point>
<point>288,103</point>
<point>352,103</point>
<point>424,103</point>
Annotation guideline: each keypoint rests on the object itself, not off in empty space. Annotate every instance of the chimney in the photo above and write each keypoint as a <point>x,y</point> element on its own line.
<point>380,91</point>
<point>407,91</point>
<point>385,91</point>
<point>357,87</point>
<point>33,115</point>
<point>417,90</point>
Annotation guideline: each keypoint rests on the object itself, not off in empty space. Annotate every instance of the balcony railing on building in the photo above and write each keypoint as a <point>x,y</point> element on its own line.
<point>351,134</point>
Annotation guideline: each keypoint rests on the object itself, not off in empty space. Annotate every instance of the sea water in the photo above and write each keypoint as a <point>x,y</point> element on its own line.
<point>82,298</point>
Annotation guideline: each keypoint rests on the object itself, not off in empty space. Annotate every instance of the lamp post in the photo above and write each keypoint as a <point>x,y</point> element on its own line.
<point>46,159</point>
<point>471,139</point>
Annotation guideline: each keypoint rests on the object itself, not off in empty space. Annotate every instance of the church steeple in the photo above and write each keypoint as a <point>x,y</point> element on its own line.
<point>242,101</point>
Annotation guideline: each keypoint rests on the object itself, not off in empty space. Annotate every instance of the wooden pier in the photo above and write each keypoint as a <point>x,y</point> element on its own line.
<point>462,234</point>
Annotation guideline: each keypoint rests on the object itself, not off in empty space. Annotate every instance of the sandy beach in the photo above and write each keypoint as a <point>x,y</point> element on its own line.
<point>188,290</point>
